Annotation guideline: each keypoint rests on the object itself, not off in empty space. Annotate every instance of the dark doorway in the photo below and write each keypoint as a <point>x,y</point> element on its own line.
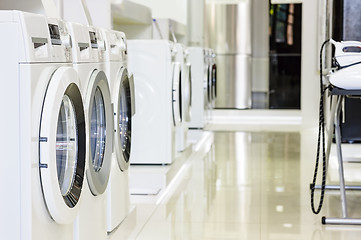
<point>285,56</point>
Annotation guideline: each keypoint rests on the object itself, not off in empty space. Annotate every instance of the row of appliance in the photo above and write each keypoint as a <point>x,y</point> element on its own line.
<point>71,125</point>
<point>175,91</point>
<point>69,105</point>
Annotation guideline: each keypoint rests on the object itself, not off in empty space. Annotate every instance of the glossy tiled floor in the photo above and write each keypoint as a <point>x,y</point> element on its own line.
<point>243,185</point>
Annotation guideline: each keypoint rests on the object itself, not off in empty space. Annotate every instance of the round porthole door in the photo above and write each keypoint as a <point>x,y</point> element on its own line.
<point>62,145</point>
<point>99,119</point>
<point>124,108</point>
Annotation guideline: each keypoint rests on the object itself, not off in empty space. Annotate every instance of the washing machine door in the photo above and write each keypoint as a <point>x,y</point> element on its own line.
<point>99,132</point>
<point>205,85</point>
<point>209,84</point>
<point>62,144</point>
<point>214,82</point>
<point>124,109</point>
<point>176,94</point>
<point>187,93</point>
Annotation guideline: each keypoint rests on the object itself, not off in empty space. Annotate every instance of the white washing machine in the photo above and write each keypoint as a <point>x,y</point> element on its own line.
<point>156,80</point>
<point>88,51</point>
<point>43,159</point>
<point>122,94</point>
<point>199,98</point>
<point>184,97</point>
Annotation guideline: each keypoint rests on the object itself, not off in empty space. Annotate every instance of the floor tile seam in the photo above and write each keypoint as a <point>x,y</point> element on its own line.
<point>261,183</point>
<point>252,130</point>
<point>212,222</point>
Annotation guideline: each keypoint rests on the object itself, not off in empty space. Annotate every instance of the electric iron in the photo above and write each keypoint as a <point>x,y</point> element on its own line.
<point>347,59</point>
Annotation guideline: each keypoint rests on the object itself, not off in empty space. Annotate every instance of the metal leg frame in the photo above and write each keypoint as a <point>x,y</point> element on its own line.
<point>344,220</point>
<point>337,187</point>
<point>330,127</point>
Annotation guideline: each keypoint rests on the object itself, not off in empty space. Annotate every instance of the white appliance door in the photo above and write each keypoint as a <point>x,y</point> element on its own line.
<point>214,81</point>
<point>187,93</point>
<point>99,120</point>
<point>176,94</point>
<point>209,85</point>
<point>124,108</point>
<point>62,143</point>
<point>205,84</point>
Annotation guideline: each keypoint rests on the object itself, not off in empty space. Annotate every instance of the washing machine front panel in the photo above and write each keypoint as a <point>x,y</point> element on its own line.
<point>206,81</point>
<point>177,94</point>
<point>82,51</point>
<point>122,87</point>
<point>43,92</point>
<point>124,111</point>
<point>213,67</point>
<point>209,84</point>
<point>132,92</point>
<point>184,98</point>
<point>196,59</point>
<point>118,202</point>
<point>97,44</point>
<point>62,145</point>
<point>99,132</point>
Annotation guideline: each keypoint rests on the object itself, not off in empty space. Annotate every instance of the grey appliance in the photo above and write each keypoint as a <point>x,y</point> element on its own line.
<point>228,33</point>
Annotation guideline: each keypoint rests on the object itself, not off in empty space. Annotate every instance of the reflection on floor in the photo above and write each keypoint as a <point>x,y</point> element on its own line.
<point>242,185</point>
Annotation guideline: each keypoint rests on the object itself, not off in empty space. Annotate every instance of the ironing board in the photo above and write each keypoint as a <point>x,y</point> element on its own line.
<point>344,220</point>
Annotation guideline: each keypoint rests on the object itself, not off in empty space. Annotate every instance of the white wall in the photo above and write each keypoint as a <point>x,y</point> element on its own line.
<point>72,10</point>
<point>195,22</point>
<point>100,12</point>
<point>309,70</point>
<point>174,9</point>
<point>34,6</point>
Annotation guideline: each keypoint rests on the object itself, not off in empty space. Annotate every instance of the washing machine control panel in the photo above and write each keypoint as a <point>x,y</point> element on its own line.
<point>60,41</point>
<point>54,34</point>
<point>97,43</point>
<point>93,39</point>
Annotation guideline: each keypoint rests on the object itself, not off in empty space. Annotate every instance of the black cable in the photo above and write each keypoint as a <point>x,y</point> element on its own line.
<point>321,137</point>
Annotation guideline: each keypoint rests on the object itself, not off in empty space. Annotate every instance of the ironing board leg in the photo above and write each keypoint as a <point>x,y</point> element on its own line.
<point>341,221</point>
<point>344,220</point>
<point>330,126</point>
<point>339,156</point>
